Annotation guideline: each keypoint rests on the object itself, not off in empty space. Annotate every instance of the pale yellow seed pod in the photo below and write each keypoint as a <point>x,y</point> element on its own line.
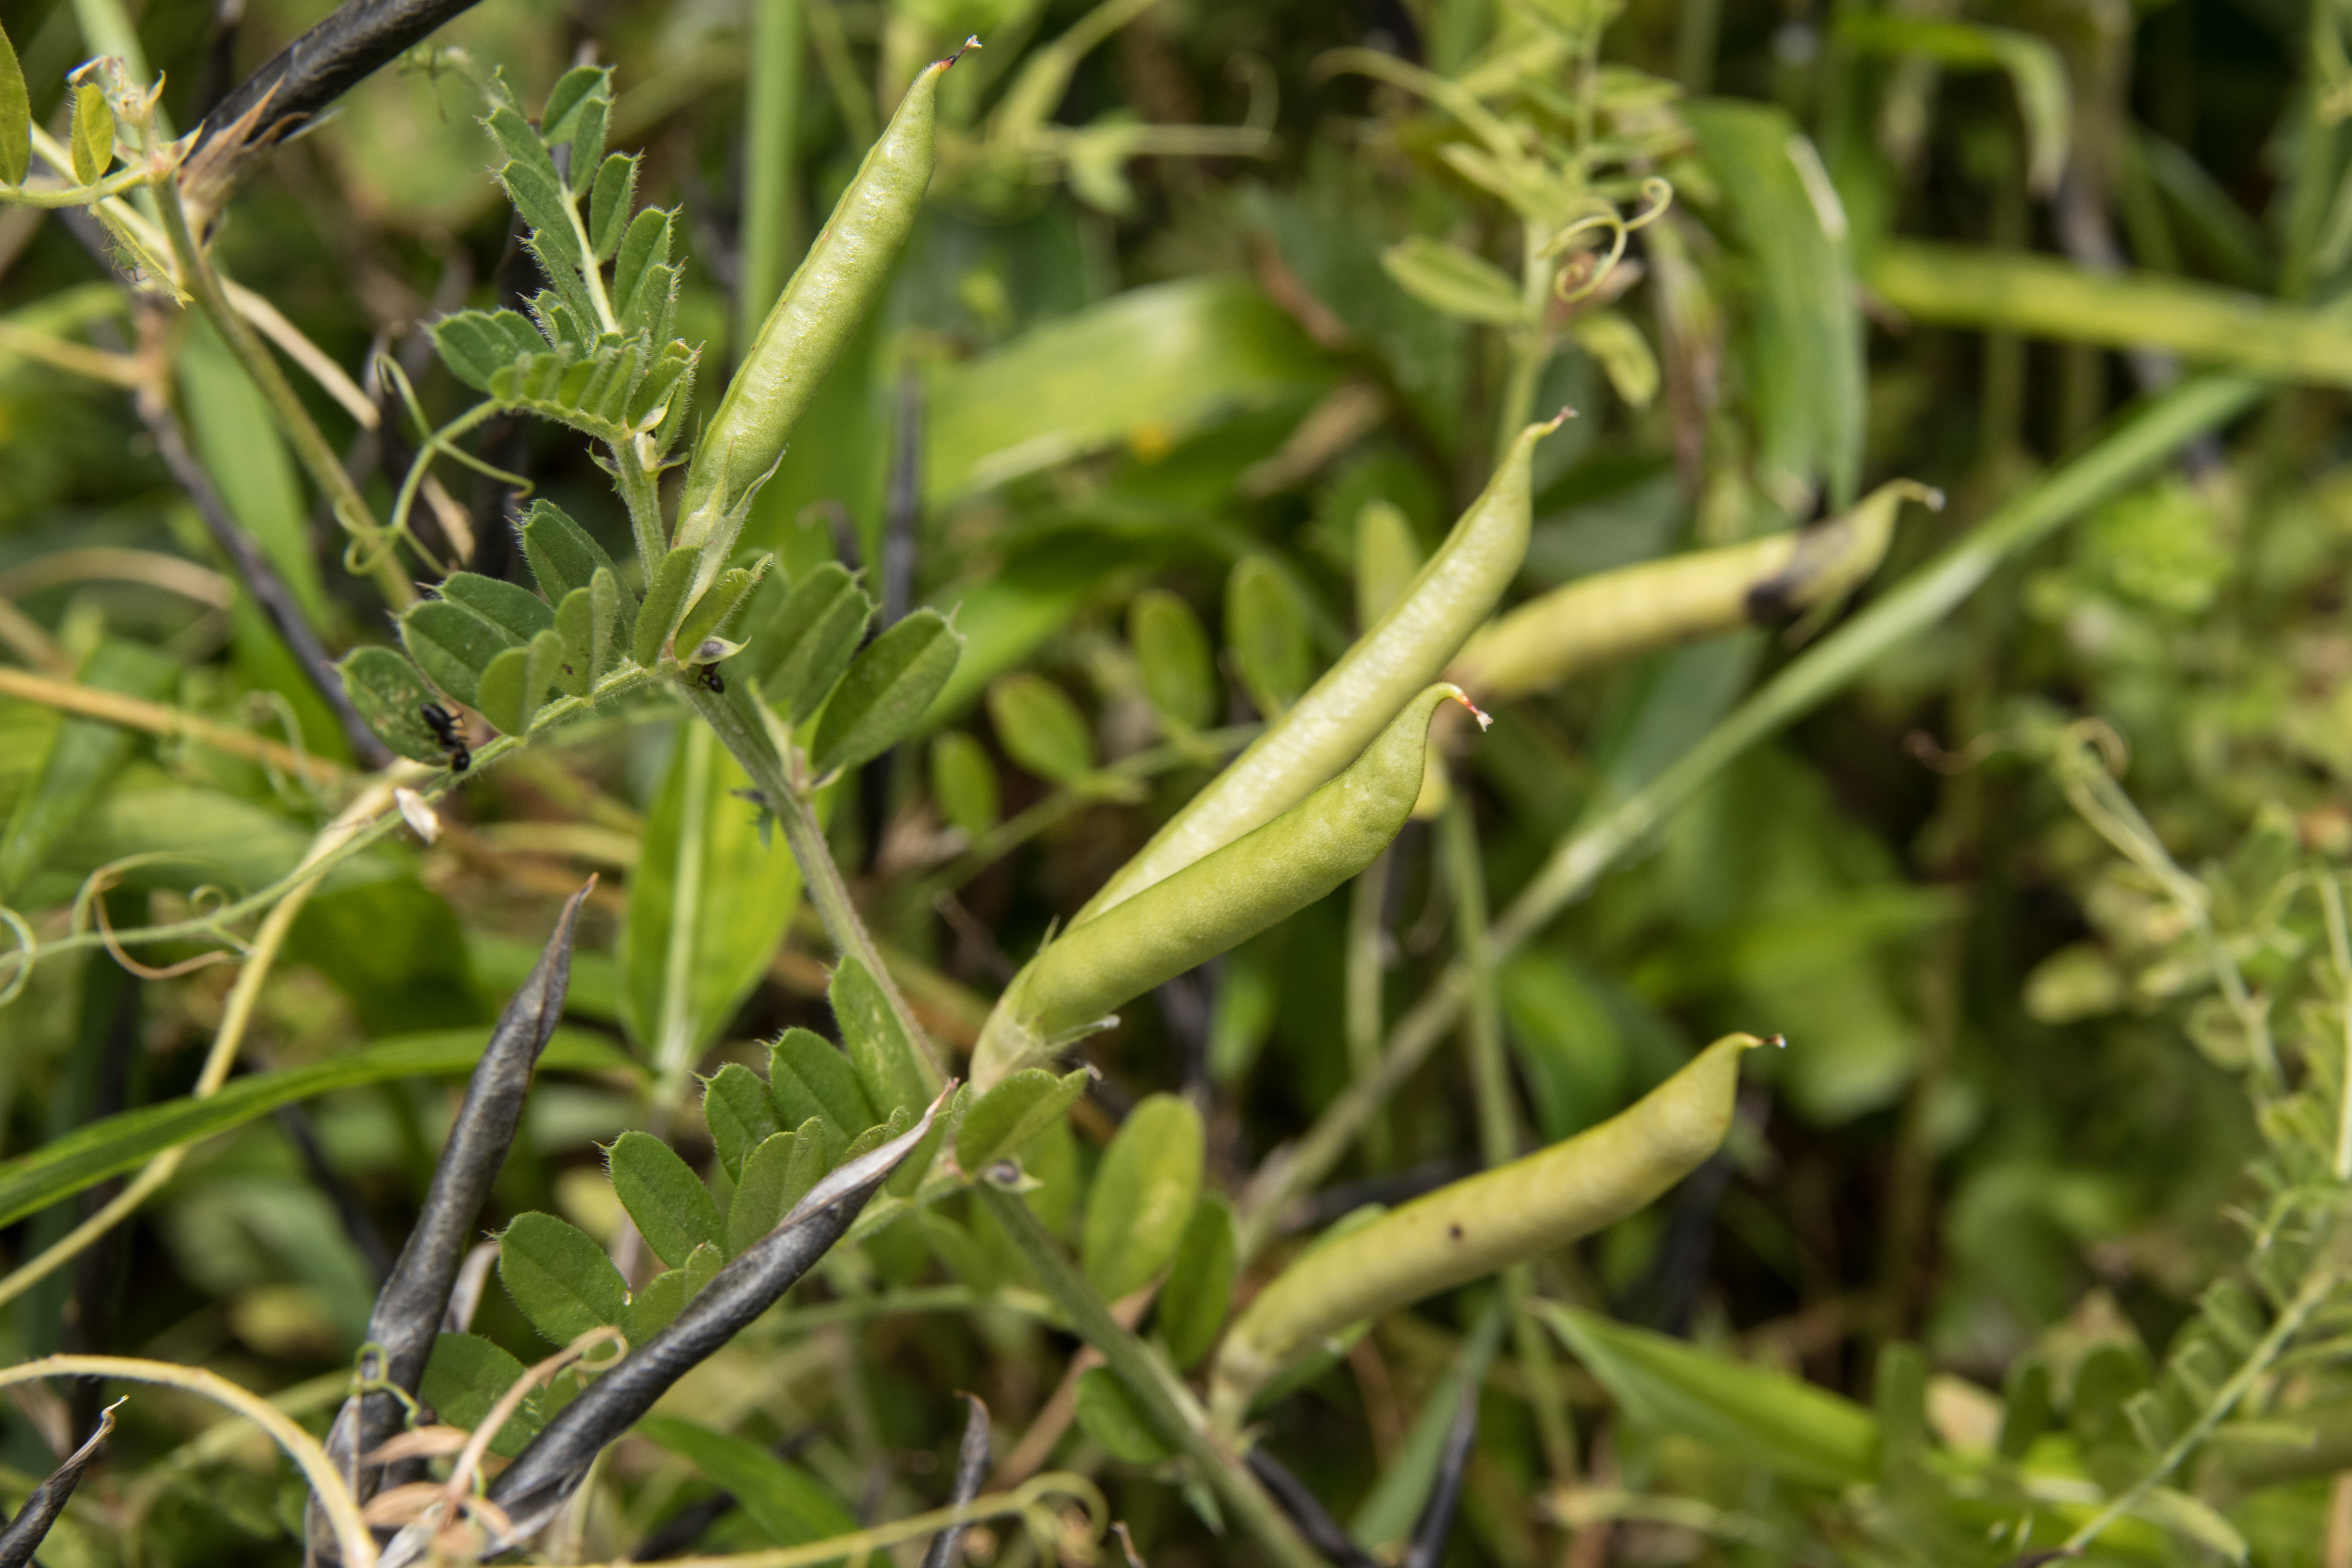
<point>1478,1226</point>
<point>1614,614</point>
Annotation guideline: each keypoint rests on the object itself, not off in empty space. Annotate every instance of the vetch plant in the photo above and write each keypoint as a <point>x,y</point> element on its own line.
<point>1065,1033</point>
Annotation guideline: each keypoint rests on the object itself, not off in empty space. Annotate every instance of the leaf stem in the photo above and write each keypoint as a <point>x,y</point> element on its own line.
<point>242,997</point>
<point>2258,1360</point>
<point>326,469</point>
<point>1166,1400</point>
<point>641,491</point>
<point>820,875</point>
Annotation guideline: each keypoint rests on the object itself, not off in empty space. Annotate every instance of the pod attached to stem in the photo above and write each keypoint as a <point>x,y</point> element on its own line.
<point>1475,1227</point>
<point>1317,734</point>
<point>1612,614</point>
<point>845,269</point>
<point>1217,902</point>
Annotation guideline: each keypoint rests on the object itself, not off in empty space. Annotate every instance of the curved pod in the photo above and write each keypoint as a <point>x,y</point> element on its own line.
<point>845,267</point>
<point>1612,614</point>
<point>1317,734</point>
<point>1473,1228</point>
<point>1217,902</point>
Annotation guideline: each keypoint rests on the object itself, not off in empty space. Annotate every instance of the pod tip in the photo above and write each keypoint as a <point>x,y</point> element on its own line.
<point>1485,720</point>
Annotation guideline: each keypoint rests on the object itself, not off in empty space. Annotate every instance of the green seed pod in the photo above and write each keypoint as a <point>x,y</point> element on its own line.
<point>1612,614</point>
<point>1217,902</point>
<point>820,308</point>
<point>1333,722</point>
<point>1475,1227</point>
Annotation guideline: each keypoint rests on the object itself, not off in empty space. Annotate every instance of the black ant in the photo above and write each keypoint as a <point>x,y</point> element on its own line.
<point>709,679</point>
<point>444,730</point>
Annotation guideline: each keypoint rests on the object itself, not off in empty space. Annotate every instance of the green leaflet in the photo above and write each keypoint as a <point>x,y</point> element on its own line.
<point>1180,676</point>
<point>735,1108</point>
<point>891,1068</point>
<point>668,1202</point>
<point>1113,1418</point>
<point>808,1078</point>
<point>477,344</point>
<point>1172,356</point>
<point>609,202</point>
<point>1040,727</point>
<point>1450,279</point>
<point>1266,628</point>
<point>718,601</point>
<point>887,689</point>
<point>963,783</point>
<point>91,1152</point>
<point>776,1176</point>
<point>709,903</point>
<point>16,117</point>
<point>1192,1303</point>
<point>1783,1424</point>
<point>84,755</point>
<point>517,682</point>
<point>452,645</point>
<point>92,143</point>
<point>465,1379</point>
<point>1001,1122</point>
<point>1806,350</point>
<point>519,612</point>
<point>789,1506</point>
<point>389,694</point>
<point>807,639</point>
<point>1143,1196</point>
<point>564,556</point>
<point>559,1277</point>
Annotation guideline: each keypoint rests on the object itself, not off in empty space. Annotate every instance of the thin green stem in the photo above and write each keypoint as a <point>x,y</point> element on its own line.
<point>115,185</point>
<point>772,111</point>
<point>2315,1291</point>
<point>1530,344</point>
<point>430,786</point>
<point>2159,429</point>
<point>1498,1135</point>
<point>1367,900</point>
<point>641,492</point>
<point>674,1033</point>
<point>805,835</point>
<point>1166,1401</point>
<point>326,469</point>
